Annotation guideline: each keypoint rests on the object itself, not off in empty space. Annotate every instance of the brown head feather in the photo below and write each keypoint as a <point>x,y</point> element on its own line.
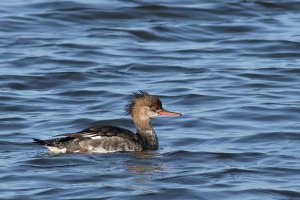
<point>142,98</point>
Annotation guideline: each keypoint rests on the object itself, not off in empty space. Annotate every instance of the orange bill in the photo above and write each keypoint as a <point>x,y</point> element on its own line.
<point>168,113</point>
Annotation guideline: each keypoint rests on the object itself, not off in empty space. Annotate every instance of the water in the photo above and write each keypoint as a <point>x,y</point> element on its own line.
<point>231,67</point>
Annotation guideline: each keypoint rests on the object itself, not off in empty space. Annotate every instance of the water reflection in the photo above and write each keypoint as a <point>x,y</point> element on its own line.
<point>145,155</point>
<point>145,163</point>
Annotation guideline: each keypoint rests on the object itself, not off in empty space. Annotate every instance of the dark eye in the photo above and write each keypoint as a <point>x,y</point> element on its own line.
<point>154,108</point>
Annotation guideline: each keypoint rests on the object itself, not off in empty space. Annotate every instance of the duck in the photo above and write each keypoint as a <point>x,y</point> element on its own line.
<point>105,139</point>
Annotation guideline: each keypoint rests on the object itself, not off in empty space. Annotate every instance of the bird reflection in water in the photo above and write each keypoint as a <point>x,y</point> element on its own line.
<point>145,163</point>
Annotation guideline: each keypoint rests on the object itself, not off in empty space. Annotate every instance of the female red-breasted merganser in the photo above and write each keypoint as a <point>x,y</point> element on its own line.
<point>142,108</point>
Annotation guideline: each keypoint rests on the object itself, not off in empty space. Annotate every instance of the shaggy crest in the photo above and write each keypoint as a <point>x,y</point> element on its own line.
<point>141,97</point>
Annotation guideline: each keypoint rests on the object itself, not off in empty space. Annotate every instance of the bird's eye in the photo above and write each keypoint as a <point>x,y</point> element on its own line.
<point>153,108</point>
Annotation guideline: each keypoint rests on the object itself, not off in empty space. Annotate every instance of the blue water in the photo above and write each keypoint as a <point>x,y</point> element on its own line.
<point>231,67</point>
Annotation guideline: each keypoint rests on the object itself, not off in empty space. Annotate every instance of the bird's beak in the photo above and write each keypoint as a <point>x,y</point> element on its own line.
<point>168,113</point>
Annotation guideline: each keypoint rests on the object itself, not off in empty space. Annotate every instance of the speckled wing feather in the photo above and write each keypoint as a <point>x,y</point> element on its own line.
<point>105,131</point>
<point>95,139</point>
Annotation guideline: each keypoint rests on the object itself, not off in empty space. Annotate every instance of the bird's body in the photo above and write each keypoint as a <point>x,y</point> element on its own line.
<point>112,139</point>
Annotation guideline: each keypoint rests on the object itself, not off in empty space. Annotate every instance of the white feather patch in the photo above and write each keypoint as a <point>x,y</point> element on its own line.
<point>96,137</point>
<point>92,136</point>
<point>56,150</point>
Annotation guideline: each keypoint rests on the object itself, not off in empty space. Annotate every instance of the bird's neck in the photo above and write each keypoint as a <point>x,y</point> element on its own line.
<point>146,133</point>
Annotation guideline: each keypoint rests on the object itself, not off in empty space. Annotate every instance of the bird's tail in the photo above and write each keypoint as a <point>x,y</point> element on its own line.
<point>42,142</point>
